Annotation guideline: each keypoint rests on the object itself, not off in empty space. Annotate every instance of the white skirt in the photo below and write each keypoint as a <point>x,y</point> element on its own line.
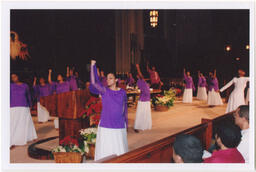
<point>235,99</point>
<point>143,120</point>
<point>214,98</point>
<point>110,141</point>
<point>201,93</point>
<point>188,95</point>
<point>22,127</point>
<point>42,113</point>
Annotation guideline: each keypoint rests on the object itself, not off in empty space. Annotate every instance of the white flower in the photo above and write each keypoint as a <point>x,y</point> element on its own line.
<point>59,149</point>
<point>93,140</point>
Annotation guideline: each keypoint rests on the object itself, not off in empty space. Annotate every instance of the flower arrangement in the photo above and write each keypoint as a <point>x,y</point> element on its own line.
<point>70,144</point>
<point>89,135</point>
<point>93,108</point>
<point>166,99</point>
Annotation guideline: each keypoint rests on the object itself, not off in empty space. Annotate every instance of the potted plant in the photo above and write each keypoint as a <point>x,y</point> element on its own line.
<point>89,136</point>
<point>70,150</point>
<point>92,110</point>
<point>163,102</point>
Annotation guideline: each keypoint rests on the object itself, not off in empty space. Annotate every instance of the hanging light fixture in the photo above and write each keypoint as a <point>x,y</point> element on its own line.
<point>153,18</point>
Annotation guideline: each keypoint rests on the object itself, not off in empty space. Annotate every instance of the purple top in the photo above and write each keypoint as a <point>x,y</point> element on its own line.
<point>72,82</point>
<point>114,104</point>
<point>20,95</point>
<point>202,82</point>
<point>231,155</point>
<point>130,81</point>
<point>189,82</point>
<point>145,91</point>
<point>213,84</point>
<point>41,91</point>
<point>61,88</point>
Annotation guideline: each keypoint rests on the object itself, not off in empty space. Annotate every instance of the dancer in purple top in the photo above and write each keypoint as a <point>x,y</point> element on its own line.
<point>201,91</point>
<point>143,120</point>
<point>213,91</point>
<point>72,79</point>
<point>60,87</point>
<point>154,78</point>
<point>188,92</point>
<point>21,124</point>
<point>43,89</point>
<point>112,134</point>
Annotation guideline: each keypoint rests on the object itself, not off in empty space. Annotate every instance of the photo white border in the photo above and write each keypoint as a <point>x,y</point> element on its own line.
<point>5,70</point>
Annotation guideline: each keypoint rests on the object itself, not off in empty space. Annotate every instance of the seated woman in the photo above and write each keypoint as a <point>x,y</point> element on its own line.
<point>227,137</point>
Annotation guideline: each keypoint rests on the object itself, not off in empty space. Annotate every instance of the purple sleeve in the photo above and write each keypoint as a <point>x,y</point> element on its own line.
<point>185,76</point>
<point>36,92</point>
<point>125,110</point>
<point>96,86</point>
<point>28,96</point>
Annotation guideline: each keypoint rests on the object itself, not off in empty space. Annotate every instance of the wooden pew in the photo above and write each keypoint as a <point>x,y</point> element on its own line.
<point>221,120</point>
<point>161,150</point>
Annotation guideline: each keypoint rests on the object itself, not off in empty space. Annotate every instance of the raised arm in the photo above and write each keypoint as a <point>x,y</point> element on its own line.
<point>227,85</point>
<point>96,86</point>
<point>50,76</point>
<point>184,73</point>
<point>68,74</point>
<point>214,74</point>
<point>148,69</point>
<point>139,72</point>
<point>34,83</point>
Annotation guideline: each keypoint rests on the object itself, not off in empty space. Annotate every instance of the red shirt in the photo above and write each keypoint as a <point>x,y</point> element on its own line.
<point>231,155</point>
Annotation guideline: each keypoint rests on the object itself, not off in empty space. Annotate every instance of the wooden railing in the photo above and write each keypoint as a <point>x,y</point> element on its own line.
<point>161,150</point>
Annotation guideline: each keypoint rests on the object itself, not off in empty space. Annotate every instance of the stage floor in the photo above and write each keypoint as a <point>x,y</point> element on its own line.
<point>177,118</point>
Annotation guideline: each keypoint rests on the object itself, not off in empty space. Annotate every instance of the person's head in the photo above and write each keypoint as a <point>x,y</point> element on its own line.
<point>210,74</point>
<point>76,74</point>
<point>59,78</point>
<point>241,116</point>
<point>228,136</point>
<point>188,73</point>
<point>241,72</point>
<point>102,73</point>
<point>41,80</point>
<point>153,68</point>
<point>187,149</point>
<point>111,79</point>
<point>14,77</point>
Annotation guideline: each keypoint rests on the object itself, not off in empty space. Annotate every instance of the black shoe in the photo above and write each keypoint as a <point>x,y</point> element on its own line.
<point>136,131</point>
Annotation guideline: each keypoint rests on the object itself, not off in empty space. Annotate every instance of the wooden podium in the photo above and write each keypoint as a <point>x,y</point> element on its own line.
<point>67,106</point>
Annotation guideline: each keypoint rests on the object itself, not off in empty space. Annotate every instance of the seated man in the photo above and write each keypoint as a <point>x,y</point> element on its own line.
<point>187,149</point>
<point>242,120</point>
<point>227,137</point>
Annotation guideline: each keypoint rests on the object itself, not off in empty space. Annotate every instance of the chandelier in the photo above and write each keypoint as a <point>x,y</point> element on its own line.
<point>153,18</point>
